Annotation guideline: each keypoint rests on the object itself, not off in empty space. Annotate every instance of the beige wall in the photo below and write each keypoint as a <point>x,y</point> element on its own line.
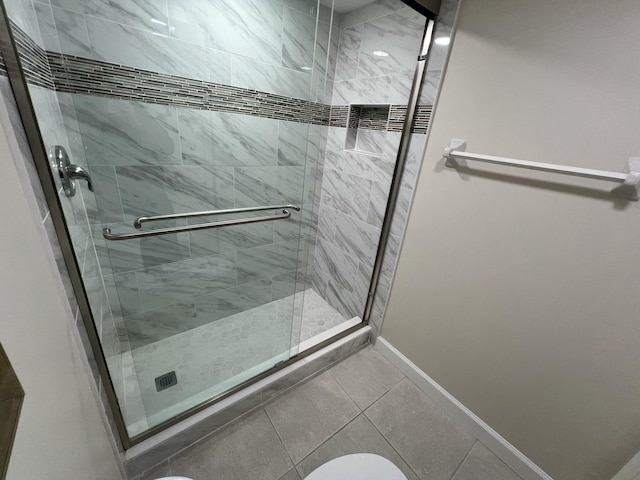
<point>520,294</point>
<point>61,435</point>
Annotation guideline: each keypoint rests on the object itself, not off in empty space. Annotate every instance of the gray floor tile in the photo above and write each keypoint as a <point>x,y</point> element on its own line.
<point>248,448</point>
<point>482,464</point>
<point>159,471</point>
<point>291,475</point>
<point>366,376</point>
<point>309,414</point>
<point>360,436</point>
<point>431,442</point>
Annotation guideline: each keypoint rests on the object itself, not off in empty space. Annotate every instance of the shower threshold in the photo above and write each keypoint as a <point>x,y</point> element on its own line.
<point>223,354</point>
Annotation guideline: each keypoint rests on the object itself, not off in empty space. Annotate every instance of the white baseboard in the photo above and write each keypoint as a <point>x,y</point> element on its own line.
<point>630,471</point>
<point>483,432</point>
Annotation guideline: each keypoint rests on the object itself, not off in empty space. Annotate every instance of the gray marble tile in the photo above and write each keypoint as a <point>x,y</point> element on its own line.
<point>346,193</point>
<point>215,138</point>
<point>341,267</point>
<point>482,464</point>
<point>70,121</point>
<point>300,224</point>
<point>179,281</point>
<point>173,189</point>
<point>379,304</point>
<point>266,77</point>
<point>228,239</point>
<point>391,255</point>
<point>401,212</point>
<point>346,300</point>
<point>327,223</point>
<point>399,35</point>
<point>225,303</point>
<point>357,437</point>
<point>293,141</point>
<point>429,87</point>
<point>363,165</point>
<point>122,290</point>
<point>364,90</point>
<point>71,29</point>
<point>153,325</point>
<point>414,160</point>
<point>371,141</point>
<point>268,260</point>
<point>376,9</point>
<point>47,26</point>
<point>308,7</point>
<point>310,414</point>
<point>121,132</point>
<point>146,14</point>
<point>22,13</point>
<point>116,43</point>
<point>288,284</point>
<point>106,194</point>
<point>118,257</point>
<point>249,28</point>
<point>357,238</point>
<point>298,40</point>
<point>366,376</point>
<point>400,89</point>
<point>431,442</point>
<point>256,186</point>
<point>378,202</point>
<point>248,448</point>
<point>348,52</point>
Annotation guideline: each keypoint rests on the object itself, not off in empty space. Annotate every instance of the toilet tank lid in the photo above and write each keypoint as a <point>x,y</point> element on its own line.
<point>359,466</point>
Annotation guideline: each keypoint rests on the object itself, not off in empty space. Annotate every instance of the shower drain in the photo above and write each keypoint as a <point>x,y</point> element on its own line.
<point>165,381</point>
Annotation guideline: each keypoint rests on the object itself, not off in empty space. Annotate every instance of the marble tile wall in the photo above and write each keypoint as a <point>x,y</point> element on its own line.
<point>357,177</point>
<point>148,159</point>
<point>266,45</point>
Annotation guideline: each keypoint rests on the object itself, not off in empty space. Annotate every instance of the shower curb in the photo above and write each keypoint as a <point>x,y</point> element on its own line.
<point>165,444</point>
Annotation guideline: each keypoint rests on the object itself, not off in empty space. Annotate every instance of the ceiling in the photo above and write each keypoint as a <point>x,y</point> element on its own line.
<point>343,6</point>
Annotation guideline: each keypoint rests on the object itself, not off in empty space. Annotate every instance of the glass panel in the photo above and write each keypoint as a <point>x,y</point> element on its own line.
<point>221,104</point>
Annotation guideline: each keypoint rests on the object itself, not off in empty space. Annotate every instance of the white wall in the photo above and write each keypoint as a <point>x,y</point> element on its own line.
<point>61,434</point>
<point>517,291</point>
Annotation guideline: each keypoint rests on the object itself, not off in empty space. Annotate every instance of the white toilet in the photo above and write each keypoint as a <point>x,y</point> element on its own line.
<point>359,466</point>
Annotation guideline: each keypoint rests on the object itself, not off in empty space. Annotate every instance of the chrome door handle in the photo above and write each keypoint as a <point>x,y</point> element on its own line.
<point>68,171</point>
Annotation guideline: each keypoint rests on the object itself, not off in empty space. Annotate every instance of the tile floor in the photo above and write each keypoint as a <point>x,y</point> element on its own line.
<point>363,404</point>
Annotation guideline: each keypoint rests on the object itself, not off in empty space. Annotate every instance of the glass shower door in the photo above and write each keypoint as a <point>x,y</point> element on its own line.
<point>173,110</point>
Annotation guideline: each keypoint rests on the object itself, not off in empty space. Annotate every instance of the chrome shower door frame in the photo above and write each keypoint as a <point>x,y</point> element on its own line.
<point>22,96</point>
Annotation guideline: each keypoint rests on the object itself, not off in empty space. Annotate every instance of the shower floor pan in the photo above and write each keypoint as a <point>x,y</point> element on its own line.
<point>222,354</point>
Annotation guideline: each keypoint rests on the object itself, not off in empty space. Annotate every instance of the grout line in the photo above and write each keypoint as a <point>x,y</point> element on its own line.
<point>463,460</point>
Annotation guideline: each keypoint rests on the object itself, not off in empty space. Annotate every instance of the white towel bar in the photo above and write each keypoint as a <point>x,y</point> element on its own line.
<point>630,181</point>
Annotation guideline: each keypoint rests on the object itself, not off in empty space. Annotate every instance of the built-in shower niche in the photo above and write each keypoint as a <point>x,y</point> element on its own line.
<point>366,128</point>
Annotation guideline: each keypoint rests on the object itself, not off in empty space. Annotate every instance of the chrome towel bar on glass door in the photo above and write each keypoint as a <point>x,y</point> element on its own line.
<point>106,232</point>
<point>140,220</point>
<point>630,181</point>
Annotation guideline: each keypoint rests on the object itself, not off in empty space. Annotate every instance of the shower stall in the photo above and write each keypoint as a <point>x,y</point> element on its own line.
<point>222,174</point>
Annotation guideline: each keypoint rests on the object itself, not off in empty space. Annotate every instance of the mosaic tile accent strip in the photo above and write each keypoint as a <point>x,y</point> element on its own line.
<point>86,76</point>
<point>71,74</point>
<point>397,115</point>
<point>374,117</point>
<point>339,115</point>
<point>34,59</point>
